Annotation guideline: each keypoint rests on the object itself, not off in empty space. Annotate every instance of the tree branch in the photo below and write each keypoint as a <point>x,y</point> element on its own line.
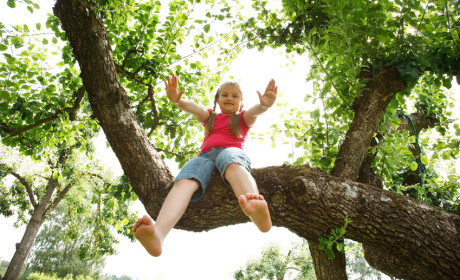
<point>156,118</point>
<point>26,184</point>
<point>70,110</point>
<point>60,196</point>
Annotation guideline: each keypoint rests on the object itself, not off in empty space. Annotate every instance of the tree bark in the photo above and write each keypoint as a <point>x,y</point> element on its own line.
<point>369,109</point>
<point>378,259</point>
<point>308,202</point>
<point>326,268</point>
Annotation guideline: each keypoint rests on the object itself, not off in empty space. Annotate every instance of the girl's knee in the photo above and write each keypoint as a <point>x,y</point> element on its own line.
<point>187,183</point>
<point>233,167</point>
<point>236,169</point>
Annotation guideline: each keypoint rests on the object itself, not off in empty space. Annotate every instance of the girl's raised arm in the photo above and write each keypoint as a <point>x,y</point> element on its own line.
<point>266,101</point>
<point>200,114</point>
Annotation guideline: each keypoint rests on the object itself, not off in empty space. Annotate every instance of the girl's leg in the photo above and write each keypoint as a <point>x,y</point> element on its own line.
<point>245,189</point>
<point>152,235</point>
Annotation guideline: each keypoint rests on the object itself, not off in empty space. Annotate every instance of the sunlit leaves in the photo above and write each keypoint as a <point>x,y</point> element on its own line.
<point>35,93</point>
<point>274,264</point>
<point>152,40</point>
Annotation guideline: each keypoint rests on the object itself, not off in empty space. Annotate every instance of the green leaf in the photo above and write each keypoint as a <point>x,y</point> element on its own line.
<point>315,114</point>
<point>11,3</point>
<point>3,47</point>
<point>340,247</point>
<point>5,95</point>
<point>413,166</point>
<point>330,254</point>
<point>424,159</point>
<point>111,203</point>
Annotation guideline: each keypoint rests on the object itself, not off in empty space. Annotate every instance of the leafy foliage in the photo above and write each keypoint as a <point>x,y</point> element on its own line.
<point>150,41</point>
<point>274,265</point>
<point>43,276</point>
<point>39,104</point>
<point>357,267</point>
<point>335,239</point>
<point>56,248</point>
<point>347,39</point>
<point>297,264</point>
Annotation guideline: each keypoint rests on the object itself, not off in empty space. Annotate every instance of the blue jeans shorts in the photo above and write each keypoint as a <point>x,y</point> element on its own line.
<point>202,167</point>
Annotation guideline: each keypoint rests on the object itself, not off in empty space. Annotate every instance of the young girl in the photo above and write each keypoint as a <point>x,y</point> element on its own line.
<point>222,148</point>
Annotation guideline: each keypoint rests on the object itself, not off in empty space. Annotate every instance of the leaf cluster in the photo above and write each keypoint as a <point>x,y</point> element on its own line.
<point>346,41</point>
<point>273,264</point>
<point>150,41</point>
<point>56,248</point>
<point>335,240</point>
<point>41,107</point>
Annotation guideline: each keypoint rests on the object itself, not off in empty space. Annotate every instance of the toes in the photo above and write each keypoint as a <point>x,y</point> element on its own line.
<point>242,199</point>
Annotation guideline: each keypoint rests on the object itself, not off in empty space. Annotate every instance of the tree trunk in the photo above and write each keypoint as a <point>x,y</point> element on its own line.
<point>141,163</point>
<point>369,109</point>
<point>326,268</point>
<point>308,202</point>
<point>378,259</point>
<point>23,248</point>
<point>41,210</point>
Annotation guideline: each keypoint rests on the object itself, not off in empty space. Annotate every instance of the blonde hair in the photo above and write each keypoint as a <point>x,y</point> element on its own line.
<point>234,122</point>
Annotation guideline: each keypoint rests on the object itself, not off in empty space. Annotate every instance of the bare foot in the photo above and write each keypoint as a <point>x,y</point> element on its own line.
<point>144,231</point>
<point>255,206</point>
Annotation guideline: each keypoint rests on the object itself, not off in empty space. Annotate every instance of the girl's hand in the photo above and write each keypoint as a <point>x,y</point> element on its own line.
<point>269,97</point>
<point>171,90</point>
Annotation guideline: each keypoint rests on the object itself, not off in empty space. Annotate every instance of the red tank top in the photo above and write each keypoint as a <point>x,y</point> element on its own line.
<point>221,135</point>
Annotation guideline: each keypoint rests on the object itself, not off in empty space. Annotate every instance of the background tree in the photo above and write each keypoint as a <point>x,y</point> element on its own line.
<point>297,264</point>
<point>56,248</point>
<point>79,234</point>
<point>274,265</point>
<point>36,192</point>
<point>44,116</point>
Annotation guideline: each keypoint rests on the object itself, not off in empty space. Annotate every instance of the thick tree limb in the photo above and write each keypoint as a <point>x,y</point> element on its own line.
<point>310,203</point>
<point>369,108</point>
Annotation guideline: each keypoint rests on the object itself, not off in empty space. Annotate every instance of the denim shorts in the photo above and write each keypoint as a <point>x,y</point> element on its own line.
<point>202,167</point>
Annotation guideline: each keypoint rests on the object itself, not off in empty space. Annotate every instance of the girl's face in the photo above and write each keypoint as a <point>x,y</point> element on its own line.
<point>229,99</point>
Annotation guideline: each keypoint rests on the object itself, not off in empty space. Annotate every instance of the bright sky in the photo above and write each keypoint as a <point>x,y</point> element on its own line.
<point>208,255</point>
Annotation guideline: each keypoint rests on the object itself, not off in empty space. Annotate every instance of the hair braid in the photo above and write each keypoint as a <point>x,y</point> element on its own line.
<point>212,118</point>
<point>234,123</point>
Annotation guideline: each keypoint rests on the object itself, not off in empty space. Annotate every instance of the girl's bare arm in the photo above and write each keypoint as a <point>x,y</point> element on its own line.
<point>266,101</point>
<point>200,114</point>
